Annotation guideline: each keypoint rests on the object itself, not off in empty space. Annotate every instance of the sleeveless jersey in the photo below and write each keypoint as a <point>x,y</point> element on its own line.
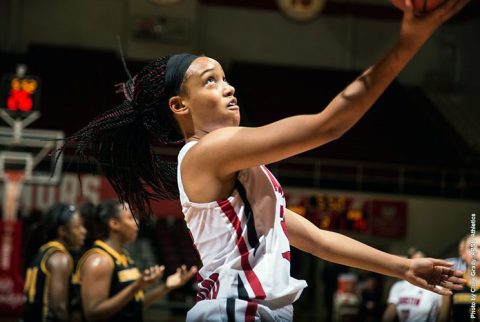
<point>76,313</point>
<point>37,282</point>
<point>124,273</point>
<point>242,241</point>
<point>414,304</point>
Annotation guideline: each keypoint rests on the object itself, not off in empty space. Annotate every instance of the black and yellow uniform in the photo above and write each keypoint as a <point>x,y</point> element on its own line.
<point>465,303</point>
<point>125,272</point>
<point>37,283</point>
<point>76,313</point>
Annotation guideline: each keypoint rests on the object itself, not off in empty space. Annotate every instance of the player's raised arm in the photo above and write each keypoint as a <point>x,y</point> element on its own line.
<point>230,149</point>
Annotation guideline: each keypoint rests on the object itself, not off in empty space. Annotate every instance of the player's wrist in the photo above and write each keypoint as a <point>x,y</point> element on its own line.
<point>403,267</point>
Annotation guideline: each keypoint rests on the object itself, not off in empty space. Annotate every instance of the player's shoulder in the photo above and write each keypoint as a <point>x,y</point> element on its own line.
<point>96,259</point>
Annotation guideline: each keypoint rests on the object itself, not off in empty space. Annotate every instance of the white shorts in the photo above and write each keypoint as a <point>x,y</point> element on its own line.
<point>235,310</point>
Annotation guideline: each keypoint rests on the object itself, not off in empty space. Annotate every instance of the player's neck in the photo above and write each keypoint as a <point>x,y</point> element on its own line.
<point>114,243</point>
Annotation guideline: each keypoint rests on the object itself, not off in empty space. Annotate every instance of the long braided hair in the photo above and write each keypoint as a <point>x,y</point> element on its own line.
<point>119,140</point>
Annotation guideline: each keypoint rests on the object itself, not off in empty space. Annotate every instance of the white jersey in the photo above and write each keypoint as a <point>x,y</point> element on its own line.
<point>414,304</point>
<point>242,241</point>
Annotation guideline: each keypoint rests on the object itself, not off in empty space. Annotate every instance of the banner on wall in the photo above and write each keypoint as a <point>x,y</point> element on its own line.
<point>90,187</point>
<point>11,282</point>
<point>389,218</point>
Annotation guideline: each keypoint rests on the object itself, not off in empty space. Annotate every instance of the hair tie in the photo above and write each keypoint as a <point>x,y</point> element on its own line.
<point>126,89</point>
<point>65,215</point>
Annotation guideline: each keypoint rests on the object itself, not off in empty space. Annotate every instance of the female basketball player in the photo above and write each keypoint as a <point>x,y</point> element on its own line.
<point>48,281</point>
<point>111,286</point>
<point>233,205</point>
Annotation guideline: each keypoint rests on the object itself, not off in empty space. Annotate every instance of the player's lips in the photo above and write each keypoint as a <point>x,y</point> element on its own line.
<point>233,104</point>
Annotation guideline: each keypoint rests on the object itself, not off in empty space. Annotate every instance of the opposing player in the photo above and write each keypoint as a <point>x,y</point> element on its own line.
<point>48,282</point>
<point>111,285</point>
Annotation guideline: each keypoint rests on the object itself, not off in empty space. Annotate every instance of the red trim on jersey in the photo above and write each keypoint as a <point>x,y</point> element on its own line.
<point>251,312</point>
<point>228,210</point>
<point>252,278</point>
<point>286,255</point>
<point>273,180</point>
<point>208,288</point>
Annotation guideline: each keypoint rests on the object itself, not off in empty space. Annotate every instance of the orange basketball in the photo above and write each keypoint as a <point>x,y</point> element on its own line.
<point>420,7</point>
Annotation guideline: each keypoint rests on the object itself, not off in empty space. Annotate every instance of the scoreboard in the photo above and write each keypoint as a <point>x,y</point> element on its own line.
<point>20,95</point>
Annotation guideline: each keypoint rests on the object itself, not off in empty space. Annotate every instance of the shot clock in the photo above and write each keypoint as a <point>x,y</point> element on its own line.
<point>20,93</point>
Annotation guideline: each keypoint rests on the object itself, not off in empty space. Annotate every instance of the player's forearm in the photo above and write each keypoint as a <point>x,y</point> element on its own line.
<point>155,294</point>
<point>341,249</point>
<point>358,97</point>
<point>111,306</point>
<point>346,251</point>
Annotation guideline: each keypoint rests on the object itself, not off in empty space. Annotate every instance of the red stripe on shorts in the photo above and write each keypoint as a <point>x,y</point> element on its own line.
<point>251,312</point>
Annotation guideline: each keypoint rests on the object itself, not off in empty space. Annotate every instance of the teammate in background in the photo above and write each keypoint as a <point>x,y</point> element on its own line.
<point>464,304</point>
<point>459,262</point>
<point>111,285</point>
<point>48,279</point>
<point>409,303</point>
<point>233,206</point>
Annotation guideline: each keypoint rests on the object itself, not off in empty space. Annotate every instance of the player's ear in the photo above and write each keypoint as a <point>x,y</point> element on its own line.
<point>177,105</point>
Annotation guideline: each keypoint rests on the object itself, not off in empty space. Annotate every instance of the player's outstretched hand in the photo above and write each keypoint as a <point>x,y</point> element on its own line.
<point>418,29</point>
<point>429,273</point>
<point>150,276</point>
<point>180,277</point>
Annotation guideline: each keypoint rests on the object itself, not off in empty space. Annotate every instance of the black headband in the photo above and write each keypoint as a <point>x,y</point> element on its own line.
<point>65,215</point>
<point>177,66</point>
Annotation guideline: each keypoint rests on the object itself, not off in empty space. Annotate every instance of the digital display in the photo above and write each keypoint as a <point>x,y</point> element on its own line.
<point>19,95</point>
<point>372,216</point>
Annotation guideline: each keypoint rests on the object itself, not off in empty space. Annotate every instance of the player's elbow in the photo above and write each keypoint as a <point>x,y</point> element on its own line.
<point>333,133</point>
<point>337,133</point>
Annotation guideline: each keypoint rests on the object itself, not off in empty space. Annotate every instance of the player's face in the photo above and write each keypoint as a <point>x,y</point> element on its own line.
<point>127,226</point>
<point>209,97</point>
<point>76,232</point>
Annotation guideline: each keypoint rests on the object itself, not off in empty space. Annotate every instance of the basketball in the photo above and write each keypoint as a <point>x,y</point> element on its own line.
<point>421,7</point>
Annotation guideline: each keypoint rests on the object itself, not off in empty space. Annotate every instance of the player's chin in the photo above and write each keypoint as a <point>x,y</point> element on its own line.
<point>236,119</point>
<point>134,236</point>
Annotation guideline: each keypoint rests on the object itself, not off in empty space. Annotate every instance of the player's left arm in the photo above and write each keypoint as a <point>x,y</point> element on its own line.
<point>59,266</point>
<point>423,272</point>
